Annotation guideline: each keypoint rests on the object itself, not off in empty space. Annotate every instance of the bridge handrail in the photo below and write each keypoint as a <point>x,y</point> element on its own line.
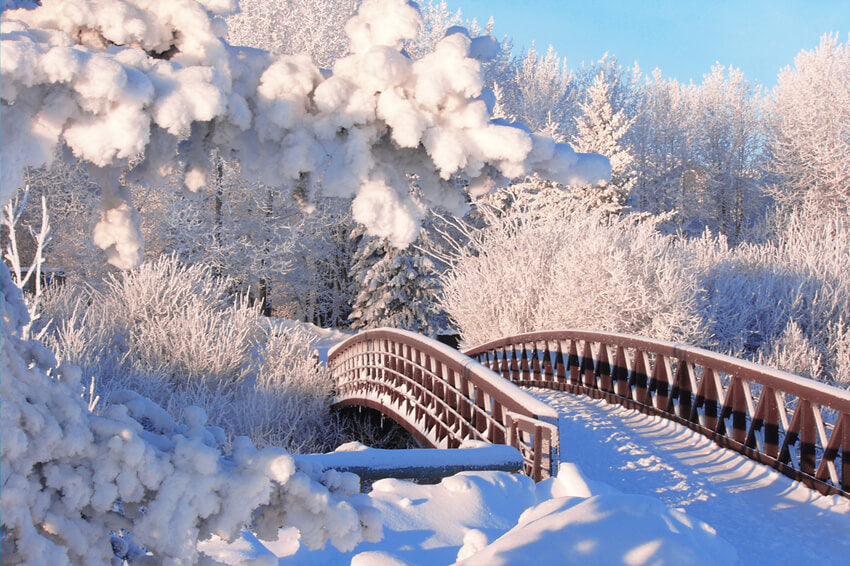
<point>698,388</point>
<point>449,395</point>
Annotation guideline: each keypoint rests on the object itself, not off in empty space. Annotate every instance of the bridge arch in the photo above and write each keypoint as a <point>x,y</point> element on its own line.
<point>441,396</point>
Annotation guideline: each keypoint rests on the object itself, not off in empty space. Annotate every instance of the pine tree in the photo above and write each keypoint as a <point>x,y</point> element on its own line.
<point>397,287</point>
<point>601,129</point>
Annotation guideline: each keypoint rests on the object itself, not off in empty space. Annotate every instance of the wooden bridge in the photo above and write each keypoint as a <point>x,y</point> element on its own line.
<point>443,397</point>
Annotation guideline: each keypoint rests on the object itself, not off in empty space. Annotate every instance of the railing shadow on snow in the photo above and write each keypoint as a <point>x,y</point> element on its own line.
<point>443,397</point>
<point>798,426</point>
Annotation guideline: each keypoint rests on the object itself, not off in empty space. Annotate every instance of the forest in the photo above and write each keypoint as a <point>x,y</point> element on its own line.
<point>182,198</point>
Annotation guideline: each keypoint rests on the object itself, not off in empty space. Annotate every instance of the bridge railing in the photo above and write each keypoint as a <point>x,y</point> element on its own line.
<point>798,426</point>
<point>441,396</point>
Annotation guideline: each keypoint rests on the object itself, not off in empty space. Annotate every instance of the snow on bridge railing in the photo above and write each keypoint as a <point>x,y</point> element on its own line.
<point>441,396</point>
<point>799,426</point>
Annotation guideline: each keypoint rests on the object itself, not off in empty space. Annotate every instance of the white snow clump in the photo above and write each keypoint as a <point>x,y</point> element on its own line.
<point>152,84</point>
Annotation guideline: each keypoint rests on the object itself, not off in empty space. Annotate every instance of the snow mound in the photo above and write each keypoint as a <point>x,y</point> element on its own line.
<point>605,529</point>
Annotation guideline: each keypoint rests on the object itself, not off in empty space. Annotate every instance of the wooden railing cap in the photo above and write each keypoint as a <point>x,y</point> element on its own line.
<point>822,393</point>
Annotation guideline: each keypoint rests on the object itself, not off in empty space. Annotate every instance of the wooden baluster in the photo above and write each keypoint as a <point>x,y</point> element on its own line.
<point>466,395</point>
<point>808,437</point>
<point>604,369</point>
<point>536,371</point>
<point>587,366</point>
<point>513,435</point>
<point>827,470</point>
<point>660,383</point>
<point>621,373</point>
<point>525,371</point>
<point>548,370</point>
<point>537,448</point>
<point>802,428</point>
<point>684,386</point>
<point>639,377</point>
<point>514,365</point>
<point>560,367</point>
<point>497,435</point>
<point>506,371</point>
<point>736,406</point>
<point>707,397</point>
<point>480,414</point>
<point>573,364</point>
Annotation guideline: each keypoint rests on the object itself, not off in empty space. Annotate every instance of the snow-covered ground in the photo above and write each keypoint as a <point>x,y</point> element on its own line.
<point>633,489</point>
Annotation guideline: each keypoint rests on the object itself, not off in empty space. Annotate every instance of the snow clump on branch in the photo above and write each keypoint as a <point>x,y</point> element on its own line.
<point>152,83</point>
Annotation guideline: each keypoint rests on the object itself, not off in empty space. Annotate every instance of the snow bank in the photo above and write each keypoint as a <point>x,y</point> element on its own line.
<point>498,518</point>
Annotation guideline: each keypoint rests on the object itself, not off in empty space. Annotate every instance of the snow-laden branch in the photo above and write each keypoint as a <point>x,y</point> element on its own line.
<point>152,82</point>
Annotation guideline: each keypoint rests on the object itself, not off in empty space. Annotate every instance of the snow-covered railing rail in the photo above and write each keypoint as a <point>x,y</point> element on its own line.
<point>441,396</point>
<point>799,426</point>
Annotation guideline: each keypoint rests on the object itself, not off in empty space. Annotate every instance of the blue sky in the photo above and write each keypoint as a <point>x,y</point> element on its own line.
<point>683,38</point>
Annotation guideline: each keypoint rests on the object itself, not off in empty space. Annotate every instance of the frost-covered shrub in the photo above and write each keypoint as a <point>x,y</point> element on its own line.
<point>289,402</point>
<point>540,268</point>
<point>792,351</point>
<point>70,477</point>
<point>783,299</point>
<point>176,321</point>
<point>172,333</point>
<point>182,321</point>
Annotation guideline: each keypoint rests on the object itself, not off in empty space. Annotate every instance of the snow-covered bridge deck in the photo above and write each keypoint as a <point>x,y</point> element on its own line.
<point>766,516</point>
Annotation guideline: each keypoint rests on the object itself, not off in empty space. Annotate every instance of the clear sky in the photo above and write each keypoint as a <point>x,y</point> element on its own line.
<point>683,38</point>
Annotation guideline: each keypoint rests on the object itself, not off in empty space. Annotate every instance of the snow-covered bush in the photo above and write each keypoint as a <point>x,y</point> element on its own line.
<point>175,321</point>
<point>788,298</point>
<point>289,404</point>
<point>541,267</point>
<point>70,477</point>
<point>174,334</point>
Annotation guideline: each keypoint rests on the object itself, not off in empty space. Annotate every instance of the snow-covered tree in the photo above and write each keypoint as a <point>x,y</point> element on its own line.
<point>314,27</point>
<point>729,149</point>
<point>320,288</point>
<point>602,129</point>
<point>397,288</point>
<point>810,126</point>
<point>662,140</point>
<point>170,89</point>
<point>541,91</point>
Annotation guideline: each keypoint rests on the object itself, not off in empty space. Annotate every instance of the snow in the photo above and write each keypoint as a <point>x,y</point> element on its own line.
<point>632,489</point>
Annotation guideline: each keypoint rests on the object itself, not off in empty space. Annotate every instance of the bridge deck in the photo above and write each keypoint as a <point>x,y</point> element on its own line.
<point>748,503</point>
